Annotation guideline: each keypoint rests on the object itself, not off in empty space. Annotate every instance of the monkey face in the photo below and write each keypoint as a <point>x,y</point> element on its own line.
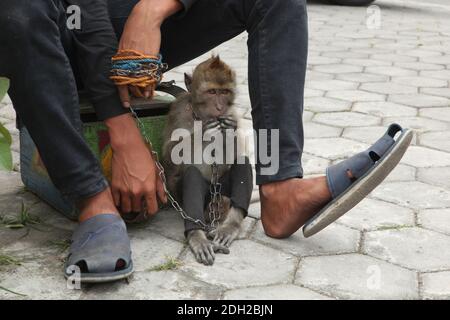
<point>216,102</point>
<point>212,87</point>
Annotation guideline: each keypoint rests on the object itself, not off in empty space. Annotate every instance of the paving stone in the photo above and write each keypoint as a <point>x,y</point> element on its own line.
<point>355,276</point>
<point>364,134</point>
<point>419,66</point>
<point>314,165</point>
<point>436,285</point>
<point>246,265</point>
<point>8,112</point>
<point>355,95</point>
<point>421,53</point>
<point>443,92</point>
<point>435,219</point>
<point>418,124</point>
<point>442,59</point>
<point>146,247</point>
<point>307,115</point>
<point>315,75</point>
<point>346,119</point>
<point>414,194</point>
<point>167,223</point>
<point>310,93</point>
<point>323,104</point>
<point>402,173</point>
<point>394,57</point>
<point>345,55</point>
<point>337,68</point>
<point>327,85</point>
<point>413,248</point>
<point>278,292</point>
<point>424,157</point>
<point>318,60</point>
<point>439,176</point>
<point>391,71</point>
<point>437,74</point>
<point>442,114</point>
<point>10,183</point>
<point>420,81</point>
<point>254,210</point>
<point>162,285</point>
<point>388,88</point>
<point>317,130</point>
<point>362,77</point>
<point>438,140</point>
<point>36,281</point>
<point>333,148</point>
<point>247,228</point>
<point>384,109</point>
<point>420,100</point>
<point>372,214</point>
<point>332,240</point>
<point>367,62</point>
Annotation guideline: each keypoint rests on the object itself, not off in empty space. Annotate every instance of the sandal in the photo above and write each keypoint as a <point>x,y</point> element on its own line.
<point>350,181</point>
<point>100,250</point>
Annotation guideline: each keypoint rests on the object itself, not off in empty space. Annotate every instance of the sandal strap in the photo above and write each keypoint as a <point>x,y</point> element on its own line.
<point>338,176</point>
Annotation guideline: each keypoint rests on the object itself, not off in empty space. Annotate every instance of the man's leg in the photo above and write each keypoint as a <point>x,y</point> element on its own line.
<point>44,95</point>
<point>277,65</point>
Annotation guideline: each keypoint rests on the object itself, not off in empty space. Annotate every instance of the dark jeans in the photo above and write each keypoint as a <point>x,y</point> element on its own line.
<point>44,91</point>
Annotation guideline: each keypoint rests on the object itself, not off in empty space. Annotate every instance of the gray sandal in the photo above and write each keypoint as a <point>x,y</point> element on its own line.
<point>350,181</point>
<point>100,250</point>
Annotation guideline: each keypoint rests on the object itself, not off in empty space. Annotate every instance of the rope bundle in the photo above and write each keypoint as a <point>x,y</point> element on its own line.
<point>133,68</point>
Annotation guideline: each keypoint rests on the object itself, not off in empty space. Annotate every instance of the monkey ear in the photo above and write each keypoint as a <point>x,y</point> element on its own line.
<point>188,81</point>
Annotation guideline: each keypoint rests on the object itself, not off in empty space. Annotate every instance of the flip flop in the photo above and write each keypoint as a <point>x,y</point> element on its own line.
<point>350,181</point>
<point>100,250</point>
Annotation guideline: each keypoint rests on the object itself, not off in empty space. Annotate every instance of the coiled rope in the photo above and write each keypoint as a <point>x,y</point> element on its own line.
<point>130,67</point>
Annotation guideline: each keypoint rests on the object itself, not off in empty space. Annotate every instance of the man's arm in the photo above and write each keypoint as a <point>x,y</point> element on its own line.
<point>95,44</point>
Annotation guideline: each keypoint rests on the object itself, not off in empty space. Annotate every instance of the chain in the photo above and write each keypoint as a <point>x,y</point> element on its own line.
<point>162,176</point>
<point>215,190</point>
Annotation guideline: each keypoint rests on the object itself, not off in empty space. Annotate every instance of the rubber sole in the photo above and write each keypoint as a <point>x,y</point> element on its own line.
<point>361,188</point>
<point>104,277</point>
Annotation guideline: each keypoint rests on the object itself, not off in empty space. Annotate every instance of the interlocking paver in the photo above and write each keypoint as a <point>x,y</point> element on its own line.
<point>436,285</point>
<point>385,215</point>
<point>335,239</point>
<point>355,276</point>
<point>414,248</point>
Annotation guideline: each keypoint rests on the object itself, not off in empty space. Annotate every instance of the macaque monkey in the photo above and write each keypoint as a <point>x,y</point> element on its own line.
<point>208,105</point>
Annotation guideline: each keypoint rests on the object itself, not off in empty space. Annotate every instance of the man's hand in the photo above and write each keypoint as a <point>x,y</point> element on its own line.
<point>142,33</point>
<point>134,174</point>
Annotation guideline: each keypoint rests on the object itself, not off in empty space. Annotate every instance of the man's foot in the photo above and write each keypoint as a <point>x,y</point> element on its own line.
<point>101,203</point>
<point>287,205</point>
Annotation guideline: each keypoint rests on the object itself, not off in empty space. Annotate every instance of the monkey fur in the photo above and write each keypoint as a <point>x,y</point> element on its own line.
<point>210,99</point>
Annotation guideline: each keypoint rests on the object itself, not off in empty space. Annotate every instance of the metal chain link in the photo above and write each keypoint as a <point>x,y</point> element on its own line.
<point>215,187</point>
<point>215,190</point>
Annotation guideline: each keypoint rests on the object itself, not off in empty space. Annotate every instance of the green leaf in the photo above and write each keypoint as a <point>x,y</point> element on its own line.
<point>6,162</point>
<point>5,135</point>
<point>4,85</point>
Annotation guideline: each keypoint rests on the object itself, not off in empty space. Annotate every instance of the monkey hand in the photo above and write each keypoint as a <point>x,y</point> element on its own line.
<point>227,122</point>
<point>203,249</point>
<point>211,128</point>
